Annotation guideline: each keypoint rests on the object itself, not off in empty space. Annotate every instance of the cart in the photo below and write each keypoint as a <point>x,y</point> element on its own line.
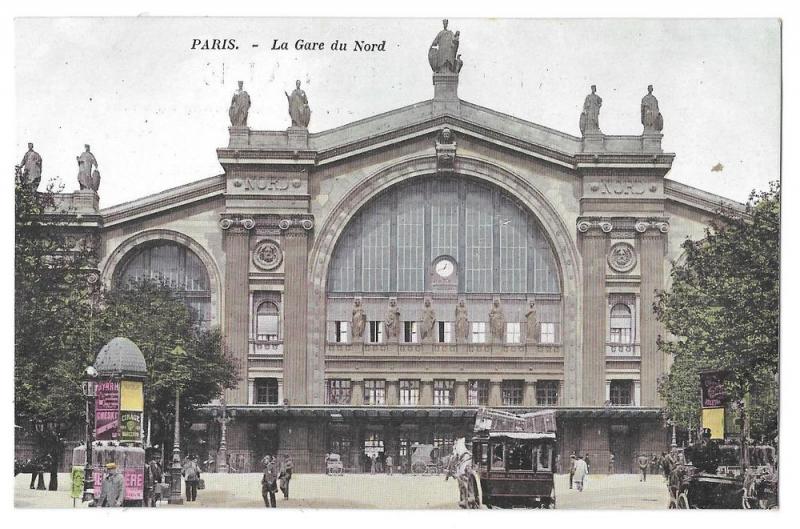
<point>334,465</point>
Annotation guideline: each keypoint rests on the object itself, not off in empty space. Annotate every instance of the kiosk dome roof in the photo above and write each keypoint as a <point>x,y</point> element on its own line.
<point>120,356</point>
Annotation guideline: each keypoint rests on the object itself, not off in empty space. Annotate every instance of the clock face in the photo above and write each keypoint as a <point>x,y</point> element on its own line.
<point>444,268</point>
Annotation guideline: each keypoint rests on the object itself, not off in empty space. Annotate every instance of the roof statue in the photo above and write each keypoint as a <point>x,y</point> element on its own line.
<point>240,106</point>
<point>443,54</point>
<point>31,166</point>
<point>299,110</point>
<point>590,117</point>
<point>651,117</point>
<point>87,162</point>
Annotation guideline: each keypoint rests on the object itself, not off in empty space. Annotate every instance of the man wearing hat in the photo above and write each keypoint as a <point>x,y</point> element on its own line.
<point>112,492</point>
<point>572,460</point>
<point>269,485</point>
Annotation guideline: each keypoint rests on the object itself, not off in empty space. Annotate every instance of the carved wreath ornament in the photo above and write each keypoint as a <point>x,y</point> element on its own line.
<point>267,255</point>
<point>622,257</point>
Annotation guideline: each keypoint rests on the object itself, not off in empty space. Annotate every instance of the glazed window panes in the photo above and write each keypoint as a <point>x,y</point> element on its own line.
<point>376,332</point>
<point>511,391</point>
<point>177,267</point>
<point>342,330</point>
<point>545,457</point>
<point>266,390</point>
<point>498,459</point>
<point>445,331</point>
<point>520,455</point>
<point>444,442</point>
<point>513,332</point>
<point>373,443</point>
<point>338,391</point>
<point>409,392</point>
<point>621,324</point>
<point>513,228</point>
<point>499,246</point>
<point>547,392</point>
<point>410,332</point>
<point>267,322</point>
<point>547,332</point>
<point>478,332</point>
<point>621,392</point>
<point>443,392</point>
<point>375,392</point>
<point>411,241</point>
<point>478,393</point>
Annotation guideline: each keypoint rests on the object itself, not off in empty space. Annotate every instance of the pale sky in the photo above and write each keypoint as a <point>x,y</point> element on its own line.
<point>155,111</point>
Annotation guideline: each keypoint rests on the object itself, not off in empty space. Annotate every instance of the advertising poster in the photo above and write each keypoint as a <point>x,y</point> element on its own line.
<point>130,426</point>
<point>713,388</point>
<point>76,490</point>
<point>134,483</point>
<point>132,396</point>
<point>107,411</point>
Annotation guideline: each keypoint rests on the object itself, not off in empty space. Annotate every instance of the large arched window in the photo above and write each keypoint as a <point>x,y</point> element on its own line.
<point>267,322</point>
<point>390,244</point>
<point>176,266</point>
<point>621,324</point>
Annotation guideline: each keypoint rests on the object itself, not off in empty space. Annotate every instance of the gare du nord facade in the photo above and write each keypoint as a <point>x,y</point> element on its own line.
<point>378,282</point>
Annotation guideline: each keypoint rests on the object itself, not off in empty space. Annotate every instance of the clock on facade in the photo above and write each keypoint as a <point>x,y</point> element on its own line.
<point>444,268</point>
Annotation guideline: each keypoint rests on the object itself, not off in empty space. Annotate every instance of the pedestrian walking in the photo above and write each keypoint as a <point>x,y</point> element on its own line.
<point>389,465</point>
<point>191,474</point>
<point>588,463</point>
<point>653,464</point>
<point>112,492</point>
<point>572,460</point>
<point>269,482</point>
<point>611,463</point>
<point>285,476</point>
<point>642,461</point>
<point>558,463</point>
<point>372,462</point>
<point>581,471</point>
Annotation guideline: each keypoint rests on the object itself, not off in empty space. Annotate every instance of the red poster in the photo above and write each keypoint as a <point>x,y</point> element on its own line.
<point>134,483</point>
<point>106,416</point>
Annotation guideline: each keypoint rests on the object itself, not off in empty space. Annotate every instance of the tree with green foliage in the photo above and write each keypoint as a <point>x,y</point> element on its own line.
<point>723,312</point>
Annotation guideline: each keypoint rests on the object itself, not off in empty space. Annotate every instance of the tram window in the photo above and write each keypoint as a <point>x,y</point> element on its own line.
<point>498,462</point>
<point>484,453</point>
<point>545,457</point>
<point>520,456</point>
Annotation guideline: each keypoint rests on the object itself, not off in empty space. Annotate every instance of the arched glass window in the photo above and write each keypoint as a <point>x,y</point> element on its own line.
<point>390,244</point>
<point>177,267</point>
<point>267,322</point>
<point>621,324</point>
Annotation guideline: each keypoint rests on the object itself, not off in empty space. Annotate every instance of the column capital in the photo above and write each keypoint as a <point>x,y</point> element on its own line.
<point>236,223</point>
<point>594,226</point>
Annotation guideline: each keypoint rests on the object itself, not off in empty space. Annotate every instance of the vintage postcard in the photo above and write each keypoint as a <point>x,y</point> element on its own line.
<point>397,263</point>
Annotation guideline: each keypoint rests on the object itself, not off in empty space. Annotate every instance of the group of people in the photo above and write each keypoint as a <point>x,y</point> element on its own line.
<point>652,463</point>
<point>277,474</point>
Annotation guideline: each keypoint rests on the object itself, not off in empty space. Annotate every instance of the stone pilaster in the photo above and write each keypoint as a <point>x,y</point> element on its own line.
<point>529,394</point>
<point>460,393</point>
<point>426,392</point>
<point>593,250</point>
<point>652,258</point>
<point>295,387</point>
<point>237,310</point>
<point>356,392</point>
<point>392,392</point>
<point>495,393</point>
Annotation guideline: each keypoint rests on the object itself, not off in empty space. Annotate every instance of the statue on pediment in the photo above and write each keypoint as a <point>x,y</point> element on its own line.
<point>240,107</point>
<point>497,322</point>
<point>462,322</point>
<point>359,321</point>
<point>531,323</point>
<point>86,163</point>
<point>428,322</point>
<point>651,118</point>
<point>443,53</point>
<point>31,168</point>
<point>590,117</point>
<point>299,110</point>
<point>392,322</point>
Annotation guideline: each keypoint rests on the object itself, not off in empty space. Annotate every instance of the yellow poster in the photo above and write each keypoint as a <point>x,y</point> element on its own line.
<point>714,419</point>
<point>132,396</point>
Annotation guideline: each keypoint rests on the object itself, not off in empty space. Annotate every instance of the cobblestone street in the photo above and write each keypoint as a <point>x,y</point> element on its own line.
<point>364,491</point>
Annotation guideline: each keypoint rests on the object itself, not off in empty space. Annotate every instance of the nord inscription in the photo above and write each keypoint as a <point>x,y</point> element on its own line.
<point>266,183</point>
<point>620,186</point>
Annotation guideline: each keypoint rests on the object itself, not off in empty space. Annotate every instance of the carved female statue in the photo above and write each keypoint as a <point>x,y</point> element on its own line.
<point>531,323</point>
<point>428,321</point>
<point>392,322</point>
<point>497,322</point>
<point>590,117</point>
<point>299,110</point>
<point>240,106</point>
<point>359,321</point>
<point>651,117</point>
<point>462,322</point>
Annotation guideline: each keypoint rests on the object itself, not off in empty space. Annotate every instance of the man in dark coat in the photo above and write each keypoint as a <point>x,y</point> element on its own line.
<point>191,473</point>
<point>642,461</point>
<point>285,476</point>
<point>112,493</point>
<point>269,482</point>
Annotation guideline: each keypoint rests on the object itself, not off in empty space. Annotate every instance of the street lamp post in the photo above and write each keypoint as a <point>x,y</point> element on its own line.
<point>90,392</point>
<point>223,444</point>
<point>175,497</point>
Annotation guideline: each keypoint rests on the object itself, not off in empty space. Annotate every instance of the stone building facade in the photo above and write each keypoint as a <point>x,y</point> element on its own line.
<point>379,281</point>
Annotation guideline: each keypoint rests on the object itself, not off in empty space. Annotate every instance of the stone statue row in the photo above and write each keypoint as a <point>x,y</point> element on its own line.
<point>30,169</point>
<point>299,111</point>
<point>427,330</point>
<point>651,118</point>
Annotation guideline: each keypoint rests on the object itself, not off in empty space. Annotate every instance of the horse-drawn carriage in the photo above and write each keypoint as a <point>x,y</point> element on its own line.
<point>334,465</point>
<point>425,459</point>
<point>512,461</point>
<point>714,477</point>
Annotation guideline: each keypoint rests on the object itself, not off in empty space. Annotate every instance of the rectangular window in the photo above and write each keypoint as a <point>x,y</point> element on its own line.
<point>410,332</point>
<point>513,247</point>
<point>443,392</point>
<point>445,332</point>
<point>376,243</point>
<point>478,265</point>
<point>478,332</point>
<point>410,240</point>
<point>513,332</point>
<point>376,332</point>
<point>545,457</point>
<point>373,443</point>
<point>444,218</point>
<point>547,392</point>
<point>547,332</point>
<point>621,393</point>
<point>498,457</point>
<point>409,392</point>
<point>337,391</point>
<point>443,441</point>
<point>620,335</point>
<point>266,391</point>
<point>375,392</point>
<point>478,393</point>
<point>511,391</point>
<point>342,331</point>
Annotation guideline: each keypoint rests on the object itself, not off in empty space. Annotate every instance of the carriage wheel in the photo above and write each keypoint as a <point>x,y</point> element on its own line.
<point>683,501</point>
<point>418,468</point>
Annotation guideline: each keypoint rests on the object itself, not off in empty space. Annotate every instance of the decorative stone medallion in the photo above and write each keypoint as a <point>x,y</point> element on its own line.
<point>622,257</point>
<point>267,255</point>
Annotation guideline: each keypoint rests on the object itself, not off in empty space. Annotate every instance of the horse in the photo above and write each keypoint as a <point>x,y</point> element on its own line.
<point>459,466</point>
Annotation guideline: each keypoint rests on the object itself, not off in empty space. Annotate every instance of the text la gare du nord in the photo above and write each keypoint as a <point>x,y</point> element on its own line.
<point>299,45</point>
